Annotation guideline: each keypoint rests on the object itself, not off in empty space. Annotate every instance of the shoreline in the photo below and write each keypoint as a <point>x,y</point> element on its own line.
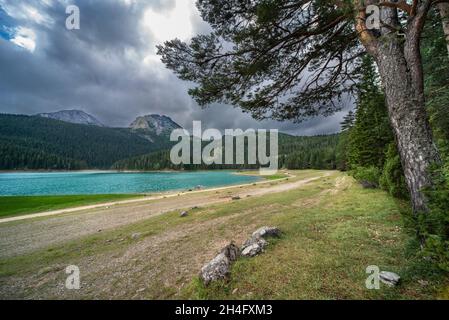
<point>124,171</point>
<point>144,198</point>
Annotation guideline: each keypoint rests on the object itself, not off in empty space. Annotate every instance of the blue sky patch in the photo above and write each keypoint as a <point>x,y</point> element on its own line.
<point>7,25</point>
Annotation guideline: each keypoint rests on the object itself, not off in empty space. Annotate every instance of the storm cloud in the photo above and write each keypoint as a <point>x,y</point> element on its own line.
<point>109,68</point>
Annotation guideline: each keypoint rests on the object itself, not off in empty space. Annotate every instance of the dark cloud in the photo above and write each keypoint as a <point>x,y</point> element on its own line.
<point>107,68</point>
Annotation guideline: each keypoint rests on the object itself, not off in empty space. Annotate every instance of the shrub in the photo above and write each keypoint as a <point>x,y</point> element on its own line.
<point>434,226</point>
<point>367,176</point>
<point>392,179</point>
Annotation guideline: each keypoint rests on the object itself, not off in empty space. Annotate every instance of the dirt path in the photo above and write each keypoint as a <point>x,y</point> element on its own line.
<point>21,236</point>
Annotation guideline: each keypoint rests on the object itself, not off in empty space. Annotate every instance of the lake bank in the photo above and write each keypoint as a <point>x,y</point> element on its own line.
<point>16,206</point>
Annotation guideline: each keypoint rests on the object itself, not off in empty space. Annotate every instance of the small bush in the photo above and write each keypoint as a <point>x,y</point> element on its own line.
<point>434,226</point>
<point>392,179</point>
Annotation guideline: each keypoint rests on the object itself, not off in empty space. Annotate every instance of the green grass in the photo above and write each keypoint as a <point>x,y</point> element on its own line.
<point>325,250</point>
<point>15,206</point>
<point>276,176</point>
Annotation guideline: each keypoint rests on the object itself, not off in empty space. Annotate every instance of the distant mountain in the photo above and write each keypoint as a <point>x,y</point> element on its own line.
<point>153,127</point>
<point>34,142</point>
<point>73,116</point>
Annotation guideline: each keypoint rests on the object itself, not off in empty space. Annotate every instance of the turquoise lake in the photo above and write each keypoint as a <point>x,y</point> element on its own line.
<point>78,183</point>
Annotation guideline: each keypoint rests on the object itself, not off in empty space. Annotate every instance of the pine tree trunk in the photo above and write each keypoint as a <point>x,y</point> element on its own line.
<point>444,13</point>
<point>402,77</point>
<point>398,57</point>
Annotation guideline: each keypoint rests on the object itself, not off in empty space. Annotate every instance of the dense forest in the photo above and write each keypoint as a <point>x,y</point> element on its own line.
<point>14,157</point>
<point>317,152</point>
<point>38,143</point>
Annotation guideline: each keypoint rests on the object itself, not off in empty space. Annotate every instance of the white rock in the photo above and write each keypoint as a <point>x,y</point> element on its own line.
<point>184,214</point>
<point>135,236</point>
<point>389,278</point>
<point>266,232</point>
<point>219,267</point>
<point>255,248</point>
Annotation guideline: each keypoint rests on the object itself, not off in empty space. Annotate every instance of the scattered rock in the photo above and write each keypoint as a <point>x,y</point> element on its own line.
<point>184,214</point>
<point>257,243</point>
<point>236,198</point>
<point>253,247</point>
<point>266,232</point>
<point>135,236</point>
<point>389,278</point>
<point>235,290</point>
<point>219,267</point>
<point>140,290</point>
<point>100,230</point>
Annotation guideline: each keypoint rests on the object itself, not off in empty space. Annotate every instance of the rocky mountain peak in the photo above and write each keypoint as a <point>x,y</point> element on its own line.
<point>73,116</point>
<point>156,124</point>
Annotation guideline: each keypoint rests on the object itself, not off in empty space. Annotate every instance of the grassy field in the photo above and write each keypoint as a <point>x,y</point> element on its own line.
<point>15,206</point>
<point>332,231</point>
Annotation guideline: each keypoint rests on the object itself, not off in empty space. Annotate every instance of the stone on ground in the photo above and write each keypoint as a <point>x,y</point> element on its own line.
<point>135,236</point>
<point>266,232</point>
<point>257,243</point>
<point>184,214</point>
<point>389,278</point>
<point>253,247</point>
<point>219,267</point>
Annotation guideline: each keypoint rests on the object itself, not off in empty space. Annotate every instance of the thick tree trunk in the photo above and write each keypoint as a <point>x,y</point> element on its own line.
<point>444,13</point>
<point>401,71</point>
<point>398,57</point>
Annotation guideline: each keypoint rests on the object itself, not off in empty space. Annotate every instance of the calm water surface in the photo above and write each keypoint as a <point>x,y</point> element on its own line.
<point>75,183</point>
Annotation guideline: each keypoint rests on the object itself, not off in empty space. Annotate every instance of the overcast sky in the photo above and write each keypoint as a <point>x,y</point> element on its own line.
<point>109,68</point>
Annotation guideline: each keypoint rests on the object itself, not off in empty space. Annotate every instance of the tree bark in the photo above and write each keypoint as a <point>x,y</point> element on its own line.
<point>444,13</point>
<point>406,106</point>
<point>400,65</point>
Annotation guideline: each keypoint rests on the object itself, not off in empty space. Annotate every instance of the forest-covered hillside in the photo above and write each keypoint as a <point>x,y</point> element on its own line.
<point>30,142</point>
<point>318,152</point>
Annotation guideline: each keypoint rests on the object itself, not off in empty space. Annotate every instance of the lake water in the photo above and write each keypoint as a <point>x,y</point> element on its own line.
<point>77,183</point>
